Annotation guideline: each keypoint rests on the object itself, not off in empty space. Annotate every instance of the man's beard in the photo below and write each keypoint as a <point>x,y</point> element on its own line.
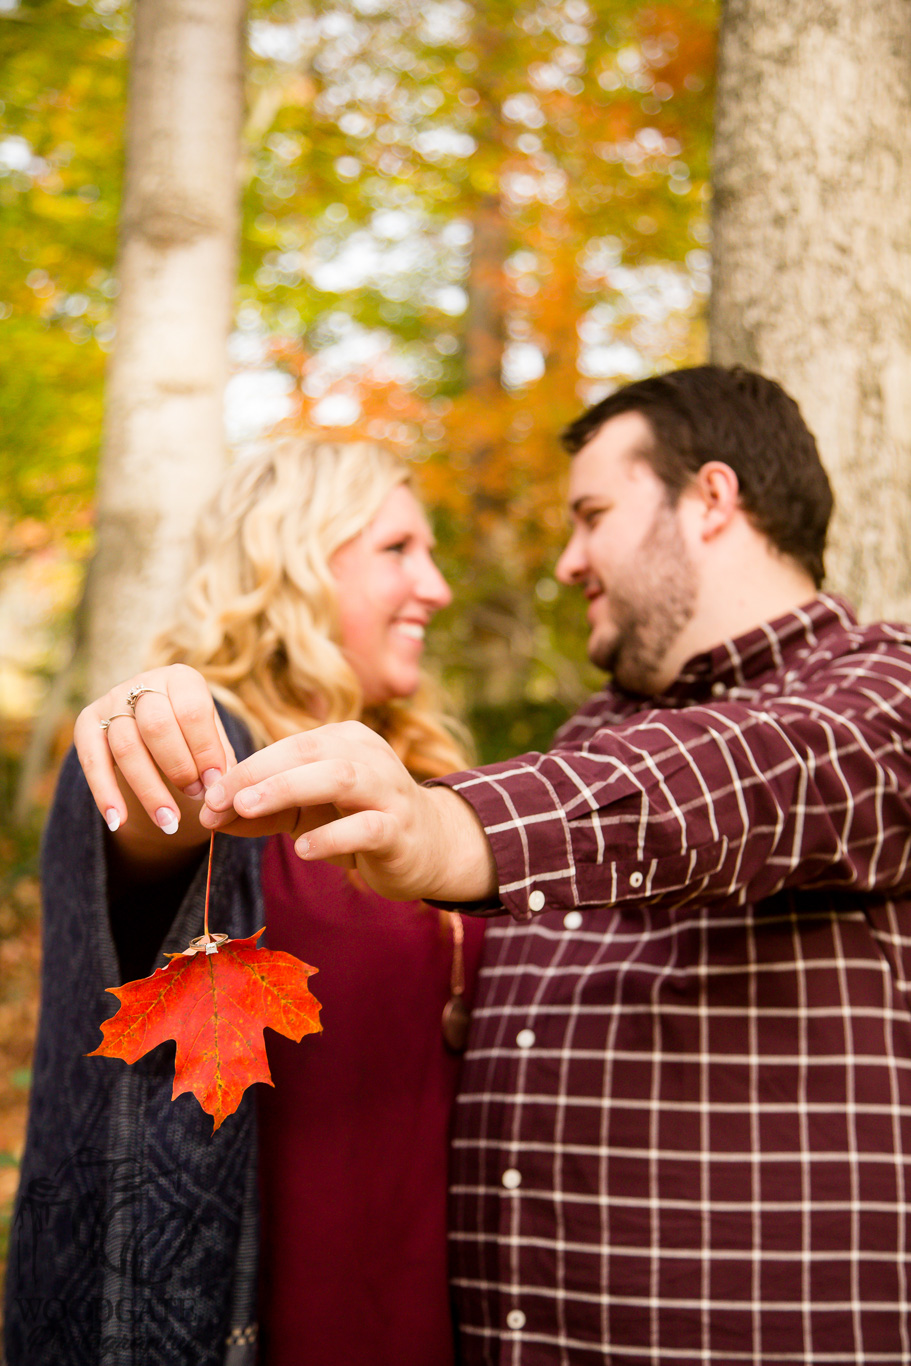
<point>650,606</point>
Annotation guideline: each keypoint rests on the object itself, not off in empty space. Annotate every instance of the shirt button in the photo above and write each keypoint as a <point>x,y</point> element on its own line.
<point>525,1038</point>
<point>635,879</point>
<point>573,920</point>
<point>515,1319</point>
<point>719,689</point>
<point>511,1178</point>
<point>536,901</point>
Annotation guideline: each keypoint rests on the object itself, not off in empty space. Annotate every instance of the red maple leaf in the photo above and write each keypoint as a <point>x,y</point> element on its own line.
<point>215,1003</point>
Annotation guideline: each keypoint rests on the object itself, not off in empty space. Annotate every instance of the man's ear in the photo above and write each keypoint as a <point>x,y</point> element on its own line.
<point>717,489</point>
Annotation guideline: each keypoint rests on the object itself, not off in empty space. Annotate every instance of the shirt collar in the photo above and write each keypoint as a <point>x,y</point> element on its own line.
<point>765,650</point>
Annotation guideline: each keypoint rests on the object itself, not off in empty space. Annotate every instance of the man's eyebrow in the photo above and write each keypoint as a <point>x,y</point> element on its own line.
<point>579,503</point>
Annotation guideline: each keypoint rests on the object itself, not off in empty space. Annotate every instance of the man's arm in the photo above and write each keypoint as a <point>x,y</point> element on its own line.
<point>712,805</point>
<point>709,804</point>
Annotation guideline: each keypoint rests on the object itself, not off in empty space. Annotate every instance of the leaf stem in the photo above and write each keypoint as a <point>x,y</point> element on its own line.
<point>205,927</point>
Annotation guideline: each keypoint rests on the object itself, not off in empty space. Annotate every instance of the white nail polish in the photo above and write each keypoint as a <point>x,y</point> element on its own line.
<point>167,819</point>
<point>112,818</point>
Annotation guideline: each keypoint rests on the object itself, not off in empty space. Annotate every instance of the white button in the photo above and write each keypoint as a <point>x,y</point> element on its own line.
<point>511,1178</point>
<point>573,920</point>
<point>515,1319</point>
<point>635,879</point>
<point>536,901</point>
<point>525,1038</point>
<point>719,689</point>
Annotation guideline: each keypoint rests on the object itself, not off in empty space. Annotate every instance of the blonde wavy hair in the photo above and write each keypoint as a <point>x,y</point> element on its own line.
<point>259,616</point>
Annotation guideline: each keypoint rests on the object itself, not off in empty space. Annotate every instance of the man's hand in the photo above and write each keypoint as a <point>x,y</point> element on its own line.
<point>341,790</point>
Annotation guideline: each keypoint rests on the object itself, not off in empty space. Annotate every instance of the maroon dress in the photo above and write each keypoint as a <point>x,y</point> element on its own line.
<point>355,1134</point>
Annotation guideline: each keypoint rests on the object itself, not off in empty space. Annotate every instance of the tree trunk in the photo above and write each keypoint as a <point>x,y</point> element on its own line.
<point>499,621</point>
<point>164,448</point>
<point>812,245</point>
<point>497,618</point>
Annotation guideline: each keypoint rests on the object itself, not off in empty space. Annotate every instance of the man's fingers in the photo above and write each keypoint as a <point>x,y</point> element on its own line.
<point>266,762</point>
<point>345,740</point>
<point>364,832</point>
<point>328,782</point>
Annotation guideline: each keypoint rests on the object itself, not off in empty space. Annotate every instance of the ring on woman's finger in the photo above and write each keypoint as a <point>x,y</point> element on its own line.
<point>108,719</point>
<point>134,695</point>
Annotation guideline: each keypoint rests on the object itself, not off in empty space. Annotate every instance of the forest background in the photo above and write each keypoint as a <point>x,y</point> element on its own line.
<point>459,224</point>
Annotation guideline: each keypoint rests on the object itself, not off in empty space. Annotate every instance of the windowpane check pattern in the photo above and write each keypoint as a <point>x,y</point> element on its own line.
<point>685,1122</point>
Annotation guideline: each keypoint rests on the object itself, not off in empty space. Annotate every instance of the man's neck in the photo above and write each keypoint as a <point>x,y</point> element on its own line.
<point>736,597</point>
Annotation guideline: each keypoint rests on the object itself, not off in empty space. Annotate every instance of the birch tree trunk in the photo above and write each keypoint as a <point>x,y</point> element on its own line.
<point>164,447</point>
<point>812,254</point>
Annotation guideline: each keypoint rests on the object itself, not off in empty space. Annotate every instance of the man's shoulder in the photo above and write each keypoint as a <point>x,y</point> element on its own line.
<point>607,707</point>
<point>875,646</point>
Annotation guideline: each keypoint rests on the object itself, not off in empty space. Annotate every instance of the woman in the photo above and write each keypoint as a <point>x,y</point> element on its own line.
<point>313,585</point>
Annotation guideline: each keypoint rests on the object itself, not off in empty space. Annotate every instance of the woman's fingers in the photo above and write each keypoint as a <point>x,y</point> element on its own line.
<point>142,776</point>
<point>98,764</point>
<point>170,735</point>
<point>178,725</point>
<point>227,750</point>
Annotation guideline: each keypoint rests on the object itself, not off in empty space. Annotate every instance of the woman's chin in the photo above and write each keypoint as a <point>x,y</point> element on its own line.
<point>393,689</point>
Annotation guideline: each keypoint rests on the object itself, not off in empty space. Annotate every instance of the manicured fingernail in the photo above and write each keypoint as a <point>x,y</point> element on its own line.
<point>193,790</point>
<point>112,816</point>
<point>302,847</point>
<point>215,795</point>
<point>167,819</point>
<point>248,798</point>
<point>210,776</point>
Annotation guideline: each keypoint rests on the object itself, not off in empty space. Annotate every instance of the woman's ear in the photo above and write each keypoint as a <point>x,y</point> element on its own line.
<point>717,488</point>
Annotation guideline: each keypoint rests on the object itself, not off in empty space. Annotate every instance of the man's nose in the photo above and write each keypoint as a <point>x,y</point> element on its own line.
<point>572,566</point>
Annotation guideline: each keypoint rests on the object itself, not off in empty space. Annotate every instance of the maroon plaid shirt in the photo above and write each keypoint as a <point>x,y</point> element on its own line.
<point>684,1133</point>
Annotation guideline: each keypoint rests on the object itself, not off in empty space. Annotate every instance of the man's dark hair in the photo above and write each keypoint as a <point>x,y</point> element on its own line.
<point>746,421</point>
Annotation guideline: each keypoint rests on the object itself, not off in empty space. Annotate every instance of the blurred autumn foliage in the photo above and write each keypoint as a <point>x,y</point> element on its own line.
<point>504,208</point>
<point>461,224</point>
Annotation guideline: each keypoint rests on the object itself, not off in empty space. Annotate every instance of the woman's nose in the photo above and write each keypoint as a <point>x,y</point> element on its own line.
<point>431,587</point>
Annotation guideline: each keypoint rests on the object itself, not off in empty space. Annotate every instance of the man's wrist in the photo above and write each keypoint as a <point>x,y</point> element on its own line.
<point>464,867</point>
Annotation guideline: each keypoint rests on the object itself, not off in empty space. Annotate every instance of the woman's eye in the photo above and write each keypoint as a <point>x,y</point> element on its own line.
<point>398,547</point>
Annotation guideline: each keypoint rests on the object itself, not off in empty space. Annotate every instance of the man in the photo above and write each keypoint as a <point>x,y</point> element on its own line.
<point>685,1122</point>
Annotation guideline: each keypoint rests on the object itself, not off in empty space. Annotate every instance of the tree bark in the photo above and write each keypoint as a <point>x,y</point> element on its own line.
<point>500,621</point>
<point>164,448</point>
<point>812,254</point>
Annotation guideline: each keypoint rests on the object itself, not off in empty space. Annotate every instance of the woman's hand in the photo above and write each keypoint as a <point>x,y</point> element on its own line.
<point>148,768</point>
<point>341,790</point>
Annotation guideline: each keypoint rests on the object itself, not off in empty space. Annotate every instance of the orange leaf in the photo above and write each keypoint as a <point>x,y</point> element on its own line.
<point>215,1005</point>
